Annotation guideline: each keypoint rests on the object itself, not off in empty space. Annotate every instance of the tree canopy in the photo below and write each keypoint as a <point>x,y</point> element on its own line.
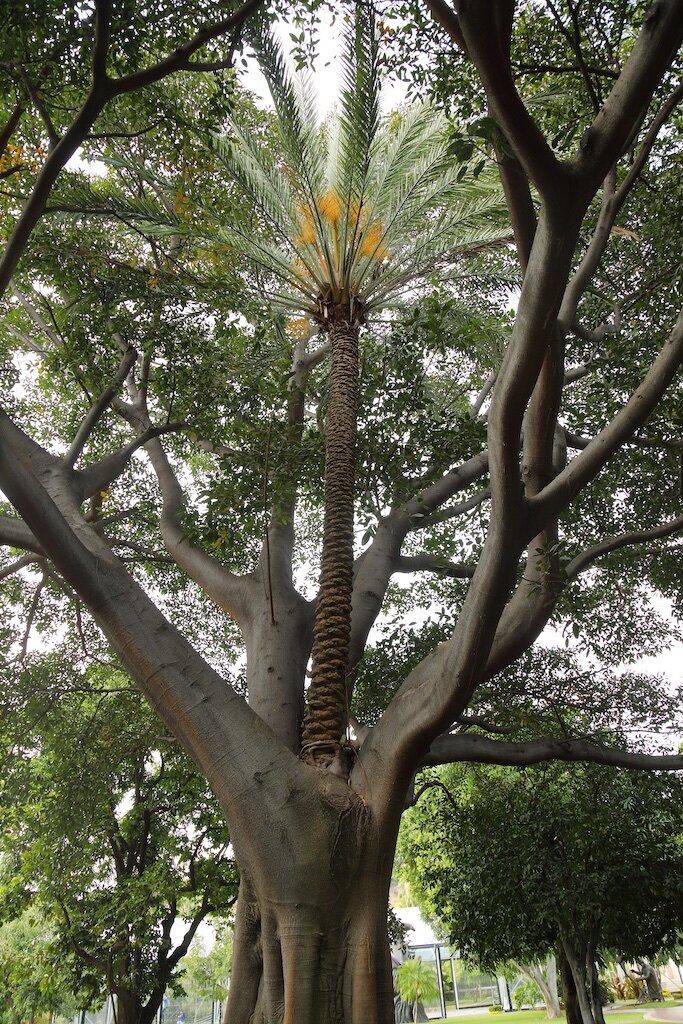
<point>514,863</point>
<point>107,832</point>
<point>35,978</point>
<point>511,861</point>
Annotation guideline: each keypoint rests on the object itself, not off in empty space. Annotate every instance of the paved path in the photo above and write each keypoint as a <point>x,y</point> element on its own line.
<point>665,1013</point>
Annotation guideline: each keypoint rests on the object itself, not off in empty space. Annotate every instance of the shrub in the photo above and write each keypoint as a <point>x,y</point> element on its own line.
<point>527,993</point>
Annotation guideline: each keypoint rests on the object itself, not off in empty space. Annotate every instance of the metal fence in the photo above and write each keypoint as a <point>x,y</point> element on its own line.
<point>181,1010</point>
<point>458,987</point>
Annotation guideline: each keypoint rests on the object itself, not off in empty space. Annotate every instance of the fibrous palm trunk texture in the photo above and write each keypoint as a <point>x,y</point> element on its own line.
<point>326,714</point>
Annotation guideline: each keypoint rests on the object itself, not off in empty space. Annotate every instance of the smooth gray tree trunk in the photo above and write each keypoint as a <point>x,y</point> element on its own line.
<point>547,983</point>
<point>311,925</point>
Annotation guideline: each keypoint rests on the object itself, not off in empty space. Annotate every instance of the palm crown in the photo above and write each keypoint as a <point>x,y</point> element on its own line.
<point>356,212</point>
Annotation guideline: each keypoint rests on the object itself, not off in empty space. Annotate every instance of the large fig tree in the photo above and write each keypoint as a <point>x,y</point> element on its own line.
<point>483,494</point>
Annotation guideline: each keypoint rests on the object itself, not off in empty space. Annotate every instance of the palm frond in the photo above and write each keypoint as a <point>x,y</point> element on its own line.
<point>266,257</point>
<point>358,118</point>
<point>439,253</point>
<point>269,192</point>
<point>420,133</point>
<point>295,107</point>
<point>149,214</point>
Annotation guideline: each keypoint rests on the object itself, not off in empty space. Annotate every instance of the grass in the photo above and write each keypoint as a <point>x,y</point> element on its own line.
<point>625,1013</point>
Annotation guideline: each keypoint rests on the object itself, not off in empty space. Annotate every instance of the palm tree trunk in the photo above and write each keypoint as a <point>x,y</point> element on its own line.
<point>326,713</point>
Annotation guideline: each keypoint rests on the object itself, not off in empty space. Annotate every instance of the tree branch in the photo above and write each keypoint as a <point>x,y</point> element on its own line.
<point>101,40</point>
<point>486,30</point>
<point>102,90</point>
<point>21,563</point>
<point>476,721</point>
<point>442,490</point>
<point>28,342</point>
<point>376,565</point>
<point>372,573</point>
<point>35,98</point>
<point>181,949</point>
<point>35,317</point>
<point>431,563</point>
<point>666,444</point>
<point>585,466</point>
<point>611,205</point>
<point>574,40</point>
<point>30,617</point>
<point>439,688</point>
<point>10,126</point>
<point>56,160</point>
<point>98,476</point>
<point>486,389</point>
<point>518,200</point>
<point>660,119</point>
<point>98,409</point>
<point>448,19</point>
<point>526,613</point>
<point>179,60</point>
<point>14,533</point>
<point>482,750</point>
<point>594,253</point>
<point>146,555</point>
<point>434,784</point>
<point>626,106</point>
<point>455,510</point>
<point>229,591</point>
<point>583,561</point>
<point>574,373</point>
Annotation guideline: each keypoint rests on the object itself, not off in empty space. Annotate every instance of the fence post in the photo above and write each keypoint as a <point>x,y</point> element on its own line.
<point>455,984</point>
<point>439,977</point>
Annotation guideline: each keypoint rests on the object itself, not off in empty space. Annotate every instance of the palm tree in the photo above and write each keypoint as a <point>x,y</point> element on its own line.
<point>417,983</point>
<point>355,215</point>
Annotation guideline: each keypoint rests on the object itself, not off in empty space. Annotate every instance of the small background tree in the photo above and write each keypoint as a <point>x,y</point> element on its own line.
<point>107,831</point>
<point>512,863</point>
<point>417,983</point>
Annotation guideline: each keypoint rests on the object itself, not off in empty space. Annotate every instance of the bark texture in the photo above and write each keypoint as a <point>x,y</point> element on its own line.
<point>577,968</point>
<point>311,942</point>
<point>326,715</point>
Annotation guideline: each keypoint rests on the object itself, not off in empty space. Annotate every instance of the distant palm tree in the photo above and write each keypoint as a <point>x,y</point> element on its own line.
<point>417,983</point>
<point>355,214</point>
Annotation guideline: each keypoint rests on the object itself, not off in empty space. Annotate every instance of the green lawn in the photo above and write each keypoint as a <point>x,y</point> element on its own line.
<point>624,1013</point>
